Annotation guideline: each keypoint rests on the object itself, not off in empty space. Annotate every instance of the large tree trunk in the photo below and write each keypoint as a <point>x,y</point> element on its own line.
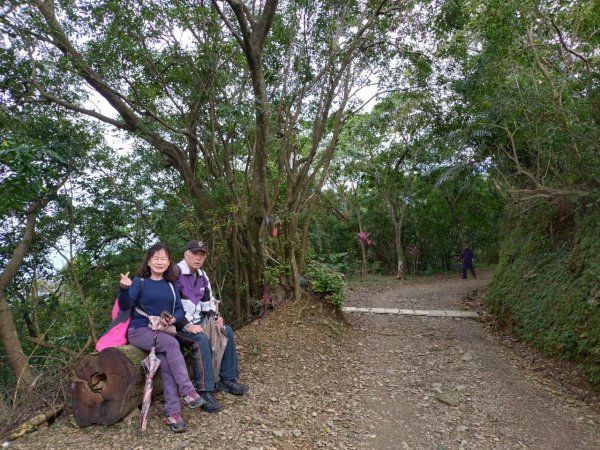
<point>290,253</point>
<point>106,386</point>
<point>251,38</point>
<point>401,267</point>
<point>17,360</point>
<point>398,213</point>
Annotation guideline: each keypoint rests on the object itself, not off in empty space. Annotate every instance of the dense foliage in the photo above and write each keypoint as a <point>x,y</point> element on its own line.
<point>532,89</point>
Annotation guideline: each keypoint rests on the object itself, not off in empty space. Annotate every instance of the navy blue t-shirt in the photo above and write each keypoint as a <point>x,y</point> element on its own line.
<point>154,297</point>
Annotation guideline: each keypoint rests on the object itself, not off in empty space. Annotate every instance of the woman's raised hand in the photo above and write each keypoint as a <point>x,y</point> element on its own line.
<point>125,282</point>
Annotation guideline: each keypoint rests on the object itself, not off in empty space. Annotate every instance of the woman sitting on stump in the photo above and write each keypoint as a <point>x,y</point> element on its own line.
<point>150,293</point>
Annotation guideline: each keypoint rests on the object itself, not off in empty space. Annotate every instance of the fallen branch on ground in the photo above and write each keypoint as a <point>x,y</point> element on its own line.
<point>33,423</point>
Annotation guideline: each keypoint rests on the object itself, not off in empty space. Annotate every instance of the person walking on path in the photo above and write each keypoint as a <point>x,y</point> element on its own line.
<point>151,293</point>
<point>199,304</point>
<point>467,257</point>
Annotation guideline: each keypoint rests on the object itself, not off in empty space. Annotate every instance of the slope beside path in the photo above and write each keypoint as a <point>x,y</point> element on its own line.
<point>375,382</point>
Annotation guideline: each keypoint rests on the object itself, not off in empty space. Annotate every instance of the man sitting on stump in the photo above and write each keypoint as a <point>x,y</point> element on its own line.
<point>199,304</point>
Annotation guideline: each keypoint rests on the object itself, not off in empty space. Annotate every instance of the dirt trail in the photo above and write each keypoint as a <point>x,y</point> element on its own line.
<point>443,383</point>
<point>381,382</point>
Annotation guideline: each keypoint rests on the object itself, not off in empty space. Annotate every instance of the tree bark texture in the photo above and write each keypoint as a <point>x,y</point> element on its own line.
<point>18,361</point>
<point>106,386</point>
<point>251,38</point>
<point>401,267</point>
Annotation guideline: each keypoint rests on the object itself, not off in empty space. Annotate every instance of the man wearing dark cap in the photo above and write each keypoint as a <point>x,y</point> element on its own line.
<point>200,304</point>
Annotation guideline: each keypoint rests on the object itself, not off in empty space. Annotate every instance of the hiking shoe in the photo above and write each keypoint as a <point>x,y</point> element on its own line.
<point>176,422</point>
<point>232,386</point>
<point>211,404</point>
<point>193,400</point>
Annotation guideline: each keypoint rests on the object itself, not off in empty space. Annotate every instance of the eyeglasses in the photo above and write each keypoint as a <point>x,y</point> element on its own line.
<point>159,258</point>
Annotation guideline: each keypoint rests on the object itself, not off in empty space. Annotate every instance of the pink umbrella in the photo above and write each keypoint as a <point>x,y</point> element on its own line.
<point>150,364</point>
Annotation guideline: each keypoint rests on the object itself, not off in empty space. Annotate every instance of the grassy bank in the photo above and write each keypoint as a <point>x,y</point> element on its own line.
<point>546,287</point>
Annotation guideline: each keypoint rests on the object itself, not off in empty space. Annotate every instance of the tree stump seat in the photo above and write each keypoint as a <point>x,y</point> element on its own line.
<point>108,385</point>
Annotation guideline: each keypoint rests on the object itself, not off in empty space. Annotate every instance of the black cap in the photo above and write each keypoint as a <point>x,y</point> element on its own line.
<point>197,246</point>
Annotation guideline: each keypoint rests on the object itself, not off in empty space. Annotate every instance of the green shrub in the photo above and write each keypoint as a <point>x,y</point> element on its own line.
<point>276,274</point>
<point>327,283</point>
